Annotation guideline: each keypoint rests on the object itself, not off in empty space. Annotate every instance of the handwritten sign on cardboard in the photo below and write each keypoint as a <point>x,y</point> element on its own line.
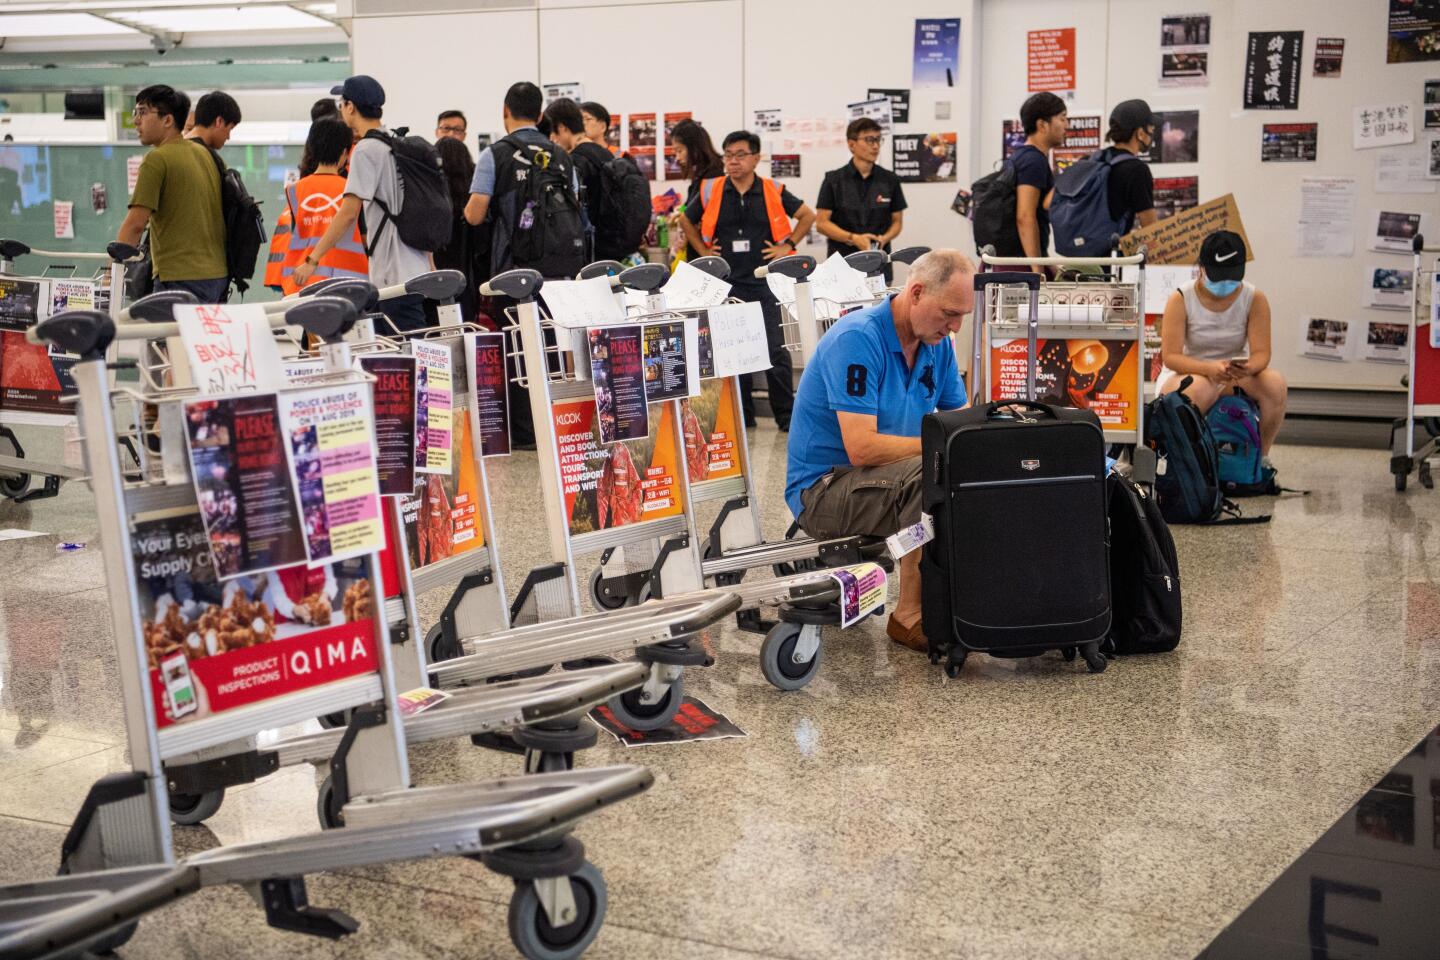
<point>1177,239</point>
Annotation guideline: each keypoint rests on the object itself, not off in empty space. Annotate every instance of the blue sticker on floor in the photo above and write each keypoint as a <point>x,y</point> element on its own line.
<point>693,721</point>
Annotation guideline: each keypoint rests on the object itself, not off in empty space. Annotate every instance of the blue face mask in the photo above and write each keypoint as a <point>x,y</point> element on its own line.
<point>1221,288</point>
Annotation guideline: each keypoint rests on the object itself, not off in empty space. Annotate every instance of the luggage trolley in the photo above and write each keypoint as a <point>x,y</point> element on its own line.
<point>1092,336</point>
<point>807,597</point>
<point>554,705</point>
<point>118,860</point>
<point>17,471</point>
<point>1422,382</point>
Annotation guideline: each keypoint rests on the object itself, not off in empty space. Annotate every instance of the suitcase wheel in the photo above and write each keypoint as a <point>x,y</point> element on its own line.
<point>1094,659</point>
<point>955,664</point>
<point>1068,653</point>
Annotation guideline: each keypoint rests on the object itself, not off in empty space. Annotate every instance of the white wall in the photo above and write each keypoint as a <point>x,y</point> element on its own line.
<point>1118,58</point>
<point>719,59</point>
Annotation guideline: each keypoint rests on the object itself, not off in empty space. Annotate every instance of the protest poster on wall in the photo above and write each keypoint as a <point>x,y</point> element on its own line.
<point>1175,194</point>
<point>1177,138</point>
<point>1050,60</point>
<point>1383,125</point>
<point>1289,143</point>
<point>937,53</point>
<point>1082,138</point>
<point>1324,339</point>
<point>877,109</point>
<point>1272,70</point>
<point>1185,50</point>
<point>924,157</point>
<point>1329,56</point>
<point>1413,33</point>
<point>899,101</point>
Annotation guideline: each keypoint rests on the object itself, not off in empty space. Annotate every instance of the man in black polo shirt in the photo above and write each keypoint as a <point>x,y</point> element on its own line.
<point>861,204</point>
<point>746,220</point>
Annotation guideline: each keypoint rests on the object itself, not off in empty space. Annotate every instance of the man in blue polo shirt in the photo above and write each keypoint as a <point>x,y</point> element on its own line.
<point>854,453</point>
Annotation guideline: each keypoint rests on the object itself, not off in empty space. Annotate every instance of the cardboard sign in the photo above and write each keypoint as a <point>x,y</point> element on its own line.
<point>1177,240</point>
<point>212,646</point>
<point>1098,375</point>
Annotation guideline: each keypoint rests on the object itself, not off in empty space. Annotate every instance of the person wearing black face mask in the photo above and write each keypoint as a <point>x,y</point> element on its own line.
<point>1216,331</point>
<point>1132,186</point>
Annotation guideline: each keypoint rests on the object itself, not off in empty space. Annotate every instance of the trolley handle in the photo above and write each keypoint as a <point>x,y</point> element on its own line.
<point>797,266</point>
<point>908,255</point>
<point>600,268</point>
<point>1027,277</point>
<point>157,307</point>
<point>646,278</point>
<point>84,332</point>
<point>519,285</point>
<point>1418,245</point>
<point>715,266</point>
<point>361,294</point>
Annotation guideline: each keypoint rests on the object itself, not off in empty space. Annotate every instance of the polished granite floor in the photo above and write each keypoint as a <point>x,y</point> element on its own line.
<point>1026,809</point>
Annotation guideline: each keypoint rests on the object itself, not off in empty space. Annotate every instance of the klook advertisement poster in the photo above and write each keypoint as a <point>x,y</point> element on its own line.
<point>212,646</point>
<point>1050,60</point>
<point>712,441</point>
<point>1272,70</point>
<point>394,421</point>
<point>443,518</point>
<point>1098,375</point>
<point>490,398</point>
<point>619,484</point>
<point>332,461</point>
<point>434,403</point>
<point>937,53</point>
<point>243,483</point>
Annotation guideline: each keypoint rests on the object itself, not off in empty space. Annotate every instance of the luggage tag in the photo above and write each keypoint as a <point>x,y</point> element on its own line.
<point>912,537</point>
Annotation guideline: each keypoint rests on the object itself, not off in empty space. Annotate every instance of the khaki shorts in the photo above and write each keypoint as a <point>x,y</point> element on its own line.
<point>863,501</point>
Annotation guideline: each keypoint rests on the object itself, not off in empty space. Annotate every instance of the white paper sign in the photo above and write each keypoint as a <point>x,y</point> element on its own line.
<point>838,282</point>
<point>782,286</point>
<point>64,219</point>
<point>1386,341</point>
<point>767,121</point>
<point>230,347</point>
<point>577,304</point>
<point>1161,280</point>
<point>1327,217</point>
<point>1382,125</point>
<point>737,339</point>
<point>1394,231</point>
<point>1404,170</point>
<point>1325,339</point>
<point>878,110</point>
<point>304,367</point>
<point>692,287</point>
<point>132,171</point>
<point>556,91</point>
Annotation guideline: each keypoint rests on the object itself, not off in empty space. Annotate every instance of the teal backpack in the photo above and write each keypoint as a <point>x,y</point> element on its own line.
<point>1235,425</point>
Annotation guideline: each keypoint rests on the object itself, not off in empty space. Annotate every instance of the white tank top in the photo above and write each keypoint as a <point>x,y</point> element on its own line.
<point>1216,335</point>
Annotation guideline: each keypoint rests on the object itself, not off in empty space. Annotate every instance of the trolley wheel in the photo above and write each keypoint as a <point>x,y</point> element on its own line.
<point>533,934</point>
<point>537,761</point>
<point>1094,659</point>
<point>1432,426</point>
<point>1401,479</point>
<point>629,711</point>
<point>188,809</point>
<point>1427,480</point>
<point>327,806</point>
<point>777,657</point>
<point>111,941</point>
<point>604,601</point>
<point>1068,653</point>
<point>434,644</point>
<point>13,485</point>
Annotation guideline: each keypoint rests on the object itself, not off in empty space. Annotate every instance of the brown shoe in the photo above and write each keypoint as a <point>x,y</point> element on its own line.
<point>912,637</point>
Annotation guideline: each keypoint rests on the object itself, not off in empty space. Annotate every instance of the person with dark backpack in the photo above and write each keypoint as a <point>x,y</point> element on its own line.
<point>1011,205</point>
<point>613,191</point>
<point>1110,192</point>
<point>396,184</point>
<point>216,117</point>
<point>531,184</point>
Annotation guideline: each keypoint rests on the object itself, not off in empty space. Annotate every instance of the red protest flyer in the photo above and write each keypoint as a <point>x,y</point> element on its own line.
<point>490,397</point>
<point>214,645</point>
<point>1050,59</point>
<point>1099,375</point>
<point>243,484</point>
<point>394,391</point>
<point>618,372</point>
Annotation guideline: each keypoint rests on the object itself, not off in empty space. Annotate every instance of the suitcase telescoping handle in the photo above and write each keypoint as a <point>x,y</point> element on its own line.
<point>1031,280</point>
<point>1044,409</point>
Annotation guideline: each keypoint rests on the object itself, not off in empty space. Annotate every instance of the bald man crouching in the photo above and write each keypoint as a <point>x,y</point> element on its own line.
<point>854,454</point>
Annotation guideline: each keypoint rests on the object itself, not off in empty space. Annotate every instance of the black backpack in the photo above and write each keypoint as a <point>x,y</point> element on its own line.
<point>993,199</point>
<point>425,218</point>
<point>1144,573</point>
<point>624,209</point>
<point>540,225</point>
<point>244,224</point>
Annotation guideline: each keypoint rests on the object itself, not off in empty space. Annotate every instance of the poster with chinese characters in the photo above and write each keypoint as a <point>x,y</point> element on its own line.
<point>1272,70</point>
<point>1384,125</point>
<point>229,347</point>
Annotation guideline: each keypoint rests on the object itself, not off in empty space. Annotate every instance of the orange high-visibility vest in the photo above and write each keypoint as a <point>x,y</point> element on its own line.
<point>314,201</point>
<point>712,193</point>
<point>279,247</point>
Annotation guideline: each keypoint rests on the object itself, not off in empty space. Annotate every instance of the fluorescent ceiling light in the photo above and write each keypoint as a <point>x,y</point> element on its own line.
<point>61,25</point>
<point>201,20</point>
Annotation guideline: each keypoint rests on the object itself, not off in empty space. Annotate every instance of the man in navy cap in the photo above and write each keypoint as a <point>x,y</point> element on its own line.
<point>372,182</point>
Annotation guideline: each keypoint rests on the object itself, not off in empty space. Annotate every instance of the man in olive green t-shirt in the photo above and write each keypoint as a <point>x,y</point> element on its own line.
<point>178,196</point>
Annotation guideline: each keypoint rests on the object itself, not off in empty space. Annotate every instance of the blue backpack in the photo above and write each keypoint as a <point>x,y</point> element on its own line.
<point>1187,481</point>
<point>1235,425</point>
<point>1080,209</point>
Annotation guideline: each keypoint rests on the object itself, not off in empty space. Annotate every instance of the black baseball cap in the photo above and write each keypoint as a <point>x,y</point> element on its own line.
<point>1133,115</point>
<point>361,90</point>
<point>1222,255</point>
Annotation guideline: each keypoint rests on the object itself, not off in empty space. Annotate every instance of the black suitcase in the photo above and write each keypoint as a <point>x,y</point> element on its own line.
<point>1020,560</point>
